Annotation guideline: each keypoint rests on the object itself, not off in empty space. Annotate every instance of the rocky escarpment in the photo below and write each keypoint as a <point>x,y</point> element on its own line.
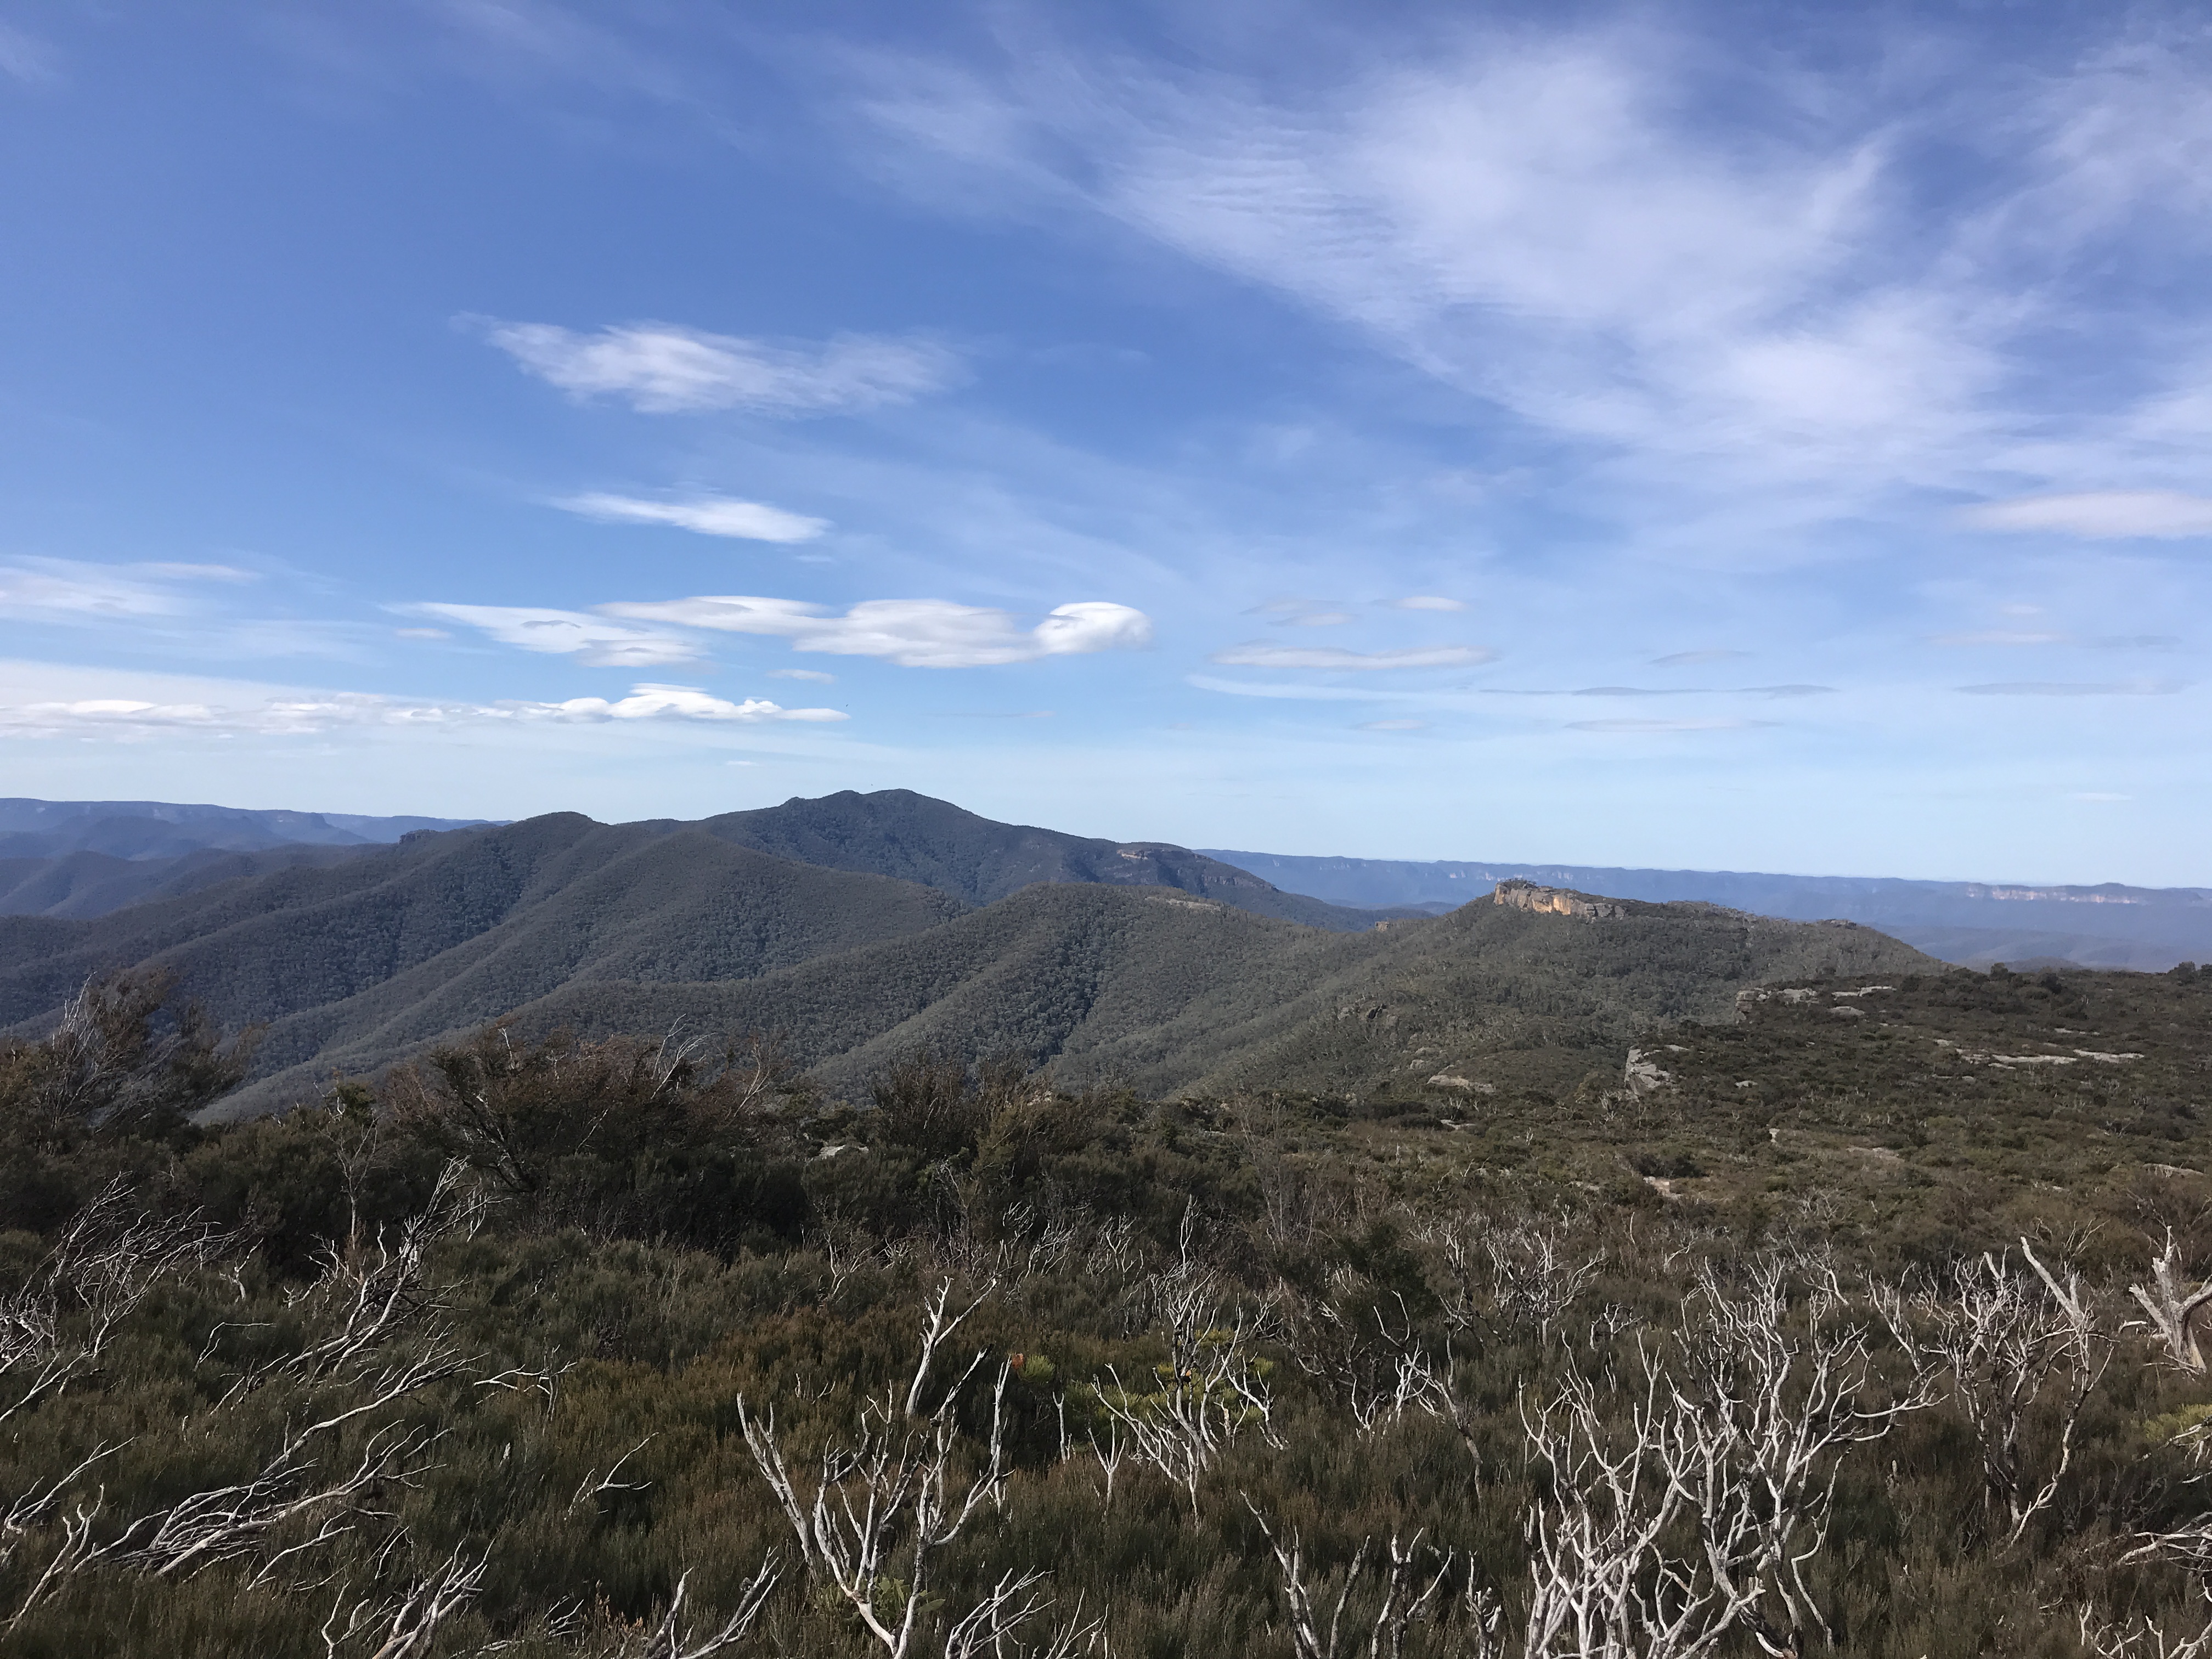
<point>1556,901</point>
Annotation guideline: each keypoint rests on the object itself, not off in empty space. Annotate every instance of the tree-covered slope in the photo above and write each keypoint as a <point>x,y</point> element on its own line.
<point>82,885</point>
<point>651,926</point>
<point>897,832</point>
<point>390,949</point>
<point>1169,993</point>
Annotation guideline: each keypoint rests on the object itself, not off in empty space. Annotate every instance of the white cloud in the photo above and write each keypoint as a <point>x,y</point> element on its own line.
<point>1429,602</point>
<point>134,719</point>
<point>421,633</point>
<point>813,674</point>
<point>663,368</point>
<point>912,633</point>
<point>1393,725</point>
<point>710,515</point>
<point>156,600</point>
<point>1318,619</point>
<point>663,702</point>
<point>591,638</point>
<point>1754,290</point>
<point>2103,515</point>
<point>63,590</point>
<point>1688,659</point>
<point>1542,221</point>
<point>1260,654</point>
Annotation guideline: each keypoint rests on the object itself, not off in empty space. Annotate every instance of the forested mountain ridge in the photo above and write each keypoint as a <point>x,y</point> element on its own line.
<point>450,931</point>
<point>718,927</point>
<point>82,885</point>
<point>897,832</point>
<point>1168,994</point>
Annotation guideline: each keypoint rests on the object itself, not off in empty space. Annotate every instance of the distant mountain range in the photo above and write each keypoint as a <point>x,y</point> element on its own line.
<point>86,858</point>
<point>81,860</point>
<point>862,925</point>
<point>1970,923</point>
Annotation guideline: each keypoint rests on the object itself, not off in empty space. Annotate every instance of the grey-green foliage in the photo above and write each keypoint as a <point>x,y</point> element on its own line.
<point>1169,993</point>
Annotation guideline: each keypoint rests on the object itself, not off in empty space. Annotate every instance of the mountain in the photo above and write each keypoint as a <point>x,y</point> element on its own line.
<point>1970,923</point>
<point>896,832</point>
<point>86,884</point>
<point>85,858</point>
<point>366,950</point>
<point>863,925</point>
<point>448,931</point>
<point>1168,994</point>
<point>154,829</point>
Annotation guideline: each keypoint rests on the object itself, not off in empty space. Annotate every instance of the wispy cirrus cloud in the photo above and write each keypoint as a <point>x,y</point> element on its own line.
<point>1265,653</point>
<point>71,590</point>
<point>1530,217</point>
<point>708,515</point>
<point>1758,288</point>
<point>2102,515</point>
<point>590,639</point>
<point>665,368</point>
<point>912,633</point>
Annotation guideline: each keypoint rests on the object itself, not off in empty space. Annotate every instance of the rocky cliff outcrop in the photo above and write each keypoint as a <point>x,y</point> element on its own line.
<point>1555,901</point>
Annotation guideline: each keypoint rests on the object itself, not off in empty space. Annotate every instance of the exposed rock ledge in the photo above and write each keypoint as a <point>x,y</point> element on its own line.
<point>1555,901</point>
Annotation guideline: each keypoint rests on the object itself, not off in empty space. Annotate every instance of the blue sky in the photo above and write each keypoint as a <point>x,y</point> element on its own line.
<point>1748,436</point>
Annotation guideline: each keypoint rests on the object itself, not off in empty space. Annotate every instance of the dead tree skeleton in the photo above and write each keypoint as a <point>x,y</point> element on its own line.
<point>107,1261</point>
<point>1401,1597</point>
<point>883,1505</point>
<point>2007,1341</point>
<point>1774,1413</point>
<point>1211,1390</point>
<point>2173,1303</point>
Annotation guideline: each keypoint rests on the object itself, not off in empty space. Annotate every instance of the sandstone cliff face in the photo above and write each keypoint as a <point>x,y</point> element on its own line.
<point>1555,901</point>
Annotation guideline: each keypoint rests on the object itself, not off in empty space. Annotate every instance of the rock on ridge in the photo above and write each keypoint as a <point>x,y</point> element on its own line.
<point>1555,901</point>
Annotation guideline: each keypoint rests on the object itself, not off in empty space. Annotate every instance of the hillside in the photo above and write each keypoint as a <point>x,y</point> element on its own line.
<point>718,927</point>
<point>897,832</point>
<point>1970,923</point>
<point>614,1309</point>
<point>448,931</point>
<point>1167,994</point>
<point>83,885</point>
<point>367,951</point>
